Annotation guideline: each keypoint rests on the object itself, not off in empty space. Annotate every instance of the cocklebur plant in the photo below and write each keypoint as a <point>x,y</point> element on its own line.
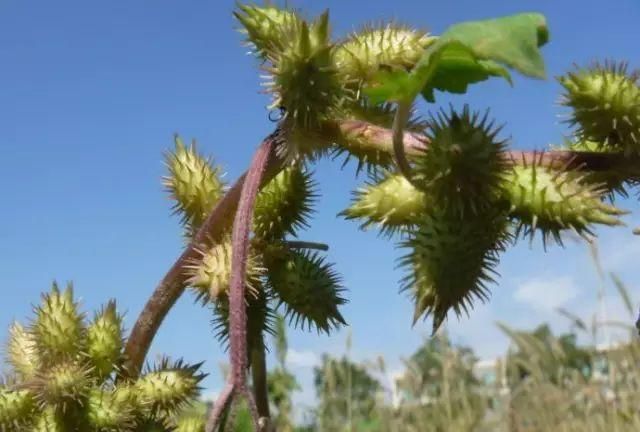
<point>445,187</point>
<point>63,371</point>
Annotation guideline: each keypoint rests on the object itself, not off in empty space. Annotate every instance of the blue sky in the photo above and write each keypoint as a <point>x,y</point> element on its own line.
<point>92,92</point>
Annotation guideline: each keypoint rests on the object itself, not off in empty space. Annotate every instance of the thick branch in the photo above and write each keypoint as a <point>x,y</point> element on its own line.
<point>381,139</point>
<point>237,284</point>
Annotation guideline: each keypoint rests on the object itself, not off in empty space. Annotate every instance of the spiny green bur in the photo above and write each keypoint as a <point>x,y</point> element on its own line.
<point>308,288</point>
<point>391,202</point>
<point>362,54</point>
<point>284,204</point>
<point>605,103</point>
<point>451,259</point>
<point>104,340</point>
<point>550,201</point>
<point>462,168</point>
<point>63,372</point>
<point>194,184</point>
<point>210,274</point>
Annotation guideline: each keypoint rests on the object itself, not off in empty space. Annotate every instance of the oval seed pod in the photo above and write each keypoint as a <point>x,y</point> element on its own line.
<point>194,183</point>
<point>390,201</point>
<point>169,386</point>
<point>267,28</point>
<point>190,424</point>
<point>605,103</point>
<point>22,353</point>
<point>17,409</point>
<point>393,46</point>
<point>284,204</point>
<point>308,287</point>
<point>105,341</point>
<point>110,410</point>
<point>61,385</point>
<point>58,329</point>
<point>305,82</point>
<point>210,275</point>
<point>549,201</point>
<point>450,260</point>
<point>463,166</point>
<point>49,420</point>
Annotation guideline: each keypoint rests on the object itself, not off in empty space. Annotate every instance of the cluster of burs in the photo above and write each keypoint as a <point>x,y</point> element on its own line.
<point>63,376</point>
<point>467,201</point>
<point>465,205</point>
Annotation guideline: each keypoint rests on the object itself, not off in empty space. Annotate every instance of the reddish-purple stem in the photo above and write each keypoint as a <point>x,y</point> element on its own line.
<point>237,306</point>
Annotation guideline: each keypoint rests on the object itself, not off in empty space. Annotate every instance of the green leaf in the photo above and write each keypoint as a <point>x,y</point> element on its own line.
<point>457,69</point>
<point>468,53</point>
<point>513,41</point>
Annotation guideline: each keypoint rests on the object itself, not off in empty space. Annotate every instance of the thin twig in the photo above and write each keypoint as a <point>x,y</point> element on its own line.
<point>399,121</point>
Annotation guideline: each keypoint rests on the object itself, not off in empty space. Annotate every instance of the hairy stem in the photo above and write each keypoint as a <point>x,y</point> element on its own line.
<point>173,284</point>
<point>381,139</point>
<point>259,379</point>
<point>237,284</point>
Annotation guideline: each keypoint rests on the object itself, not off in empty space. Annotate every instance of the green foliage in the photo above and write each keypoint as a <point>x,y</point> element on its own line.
<point>280,382</point>
<point>346,392</point>
<point>65,381</point>
<point>468,53</point>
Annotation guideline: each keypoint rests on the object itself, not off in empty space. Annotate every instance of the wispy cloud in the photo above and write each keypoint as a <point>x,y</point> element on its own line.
<point>547,294</point>
<point>302,359</point>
